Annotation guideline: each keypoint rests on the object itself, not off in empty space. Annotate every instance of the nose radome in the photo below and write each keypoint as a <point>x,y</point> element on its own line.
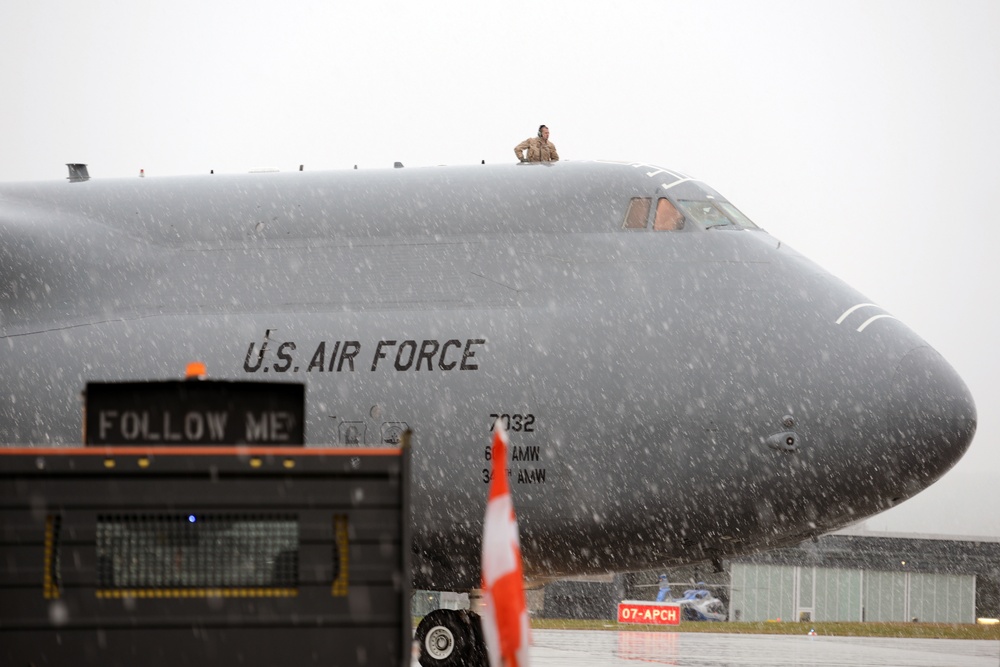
<point>931,417</point>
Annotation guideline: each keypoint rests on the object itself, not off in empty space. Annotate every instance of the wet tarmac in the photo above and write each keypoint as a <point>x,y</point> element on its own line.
<point>562,648</point>
<point>585,648</point>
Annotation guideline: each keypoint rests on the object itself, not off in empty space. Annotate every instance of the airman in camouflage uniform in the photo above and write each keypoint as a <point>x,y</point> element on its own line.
<point>539,148</point>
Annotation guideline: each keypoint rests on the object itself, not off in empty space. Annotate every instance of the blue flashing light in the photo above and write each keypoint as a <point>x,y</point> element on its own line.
<point>192,518</point>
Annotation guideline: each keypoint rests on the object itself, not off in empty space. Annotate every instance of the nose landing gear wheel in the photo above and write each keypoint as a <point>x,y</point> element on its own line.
<point>440,643</point>
<point>449,638</point>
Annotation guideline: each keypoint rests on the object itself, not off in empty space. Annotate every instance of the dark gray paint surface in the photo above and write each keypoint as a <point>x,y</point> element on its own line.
<point>659,369</point>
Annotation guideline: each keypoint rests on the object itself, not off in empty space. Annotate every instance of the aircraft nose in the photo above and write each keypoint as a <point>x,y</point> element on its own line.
<point>931,418</point>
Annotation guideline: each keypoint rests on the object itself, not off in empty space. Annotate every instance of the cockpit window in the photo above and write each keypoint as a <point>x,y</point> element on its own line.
<point>709,214</point>
<point>736,215</point>
<point>668,218</point>
<point>638,213</point>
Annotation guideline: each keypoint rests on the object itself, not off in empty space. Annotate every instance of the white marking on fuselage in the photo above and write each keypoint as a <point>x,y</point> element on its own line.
<point>872,319</point>
<point>853,308</point>
<point>667,187</point>
<point>681,178</point>
<point>657,170</point>
<point>668,172</point>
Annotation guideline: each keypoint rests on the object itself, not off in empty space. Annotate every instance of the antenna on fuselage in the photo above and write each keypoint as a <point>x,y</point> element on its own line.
<point>78,173</point>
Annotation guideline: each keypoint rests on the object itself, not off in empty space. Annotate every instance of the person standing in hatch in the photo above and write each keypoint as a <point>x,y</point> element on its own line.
<point>539,148</point>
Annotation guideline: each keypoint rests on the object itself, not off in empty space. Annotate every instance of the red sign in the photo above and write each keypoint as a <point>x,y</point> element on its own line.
<point>656,613</point>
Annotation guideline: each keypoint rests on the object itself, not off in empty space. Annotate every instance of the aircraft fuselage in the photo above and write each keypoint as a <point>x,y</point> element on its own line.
<point>671,396</point>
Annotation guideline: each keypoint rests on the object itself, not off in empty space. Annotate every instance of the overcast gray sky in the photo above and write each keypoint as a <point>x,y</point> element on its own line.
<point>864,134</point>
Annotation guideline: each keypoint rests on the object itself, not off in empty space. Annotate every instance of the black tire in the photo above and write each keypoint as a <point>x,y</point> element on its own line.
<point>446,638</point>
<point>478,656</point>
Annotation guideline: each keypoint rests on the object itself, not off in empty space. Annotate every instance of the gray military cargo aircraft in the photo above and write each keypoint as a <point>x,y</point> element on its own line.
<point>678,385</point>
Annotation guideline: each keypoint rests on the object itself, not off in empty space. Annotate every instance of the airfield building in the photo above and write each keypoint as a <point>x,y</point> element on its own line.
<point>849,576</point>
<point>869,577</point>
